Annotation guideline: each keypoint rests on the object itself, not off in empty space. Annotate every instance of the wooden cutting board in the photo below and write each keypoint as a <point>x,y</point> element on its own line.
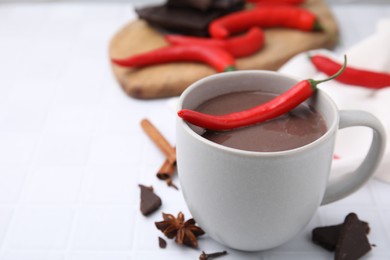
<point>171,79</point>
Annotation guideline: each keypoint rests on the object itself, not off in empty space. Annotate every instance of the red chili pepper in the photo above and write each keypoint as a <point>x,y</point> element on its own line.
<point>351,75</point>
<point>271,109</point>
<point>277,2</point>
<point>239,46</point>
<point>218,58</point>
<point>267,16</point>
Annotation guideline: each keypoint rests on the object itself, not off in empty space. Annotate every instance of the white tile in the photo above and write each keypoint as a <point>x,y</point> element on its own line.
<point>112,184</point>
<point>17,147</point>
<point>71,119</point>
<point>53,185</point>
<point>183,254</point>
<point>385,216</point>
<point>380,192</point>
<point>104,228</point>
<point>98,256</point>
<point>297,256</point>
<point>40,228</point>
<point>5,89</point>
<point>11,182</point>
<point>5,218</point>
<point>15,255</point>
<point>302,241</point>
<point>115,149</point>
<point>63,150</point>
<point>28,90</point>
<point>23,117</point>
<point>77,88</point>
<point>361,197</point>
<point>46,59</point>
<point>119,121</point>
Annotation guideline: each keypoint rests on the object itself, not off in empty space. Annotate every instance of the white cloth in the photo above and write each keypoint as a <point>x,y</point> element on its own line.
<point>372,53</point>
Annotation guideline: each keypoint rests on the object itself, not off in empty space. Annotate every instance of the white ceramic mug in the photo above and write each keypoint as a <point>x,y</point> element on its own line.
<point>259,200</point>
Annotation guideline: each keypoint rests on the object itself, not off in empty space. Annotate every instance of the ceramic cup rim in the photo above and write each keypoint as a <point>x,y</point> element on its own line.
<point>331,128</point>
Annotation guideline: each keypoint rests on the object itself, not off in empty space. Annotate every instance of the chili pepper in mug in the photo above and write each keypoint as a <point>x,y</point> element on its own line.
<point>218,58</point>
<point>238,46</point>
<point>351,75</point>
<point>266,16</point>
<point>269,110</point>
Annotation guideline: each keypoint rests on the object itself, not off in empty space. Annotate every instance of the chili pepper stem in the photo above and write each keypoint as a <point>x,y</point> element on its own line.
<point>317,27</point>
<point>314,83</point>
<point>229,68</point>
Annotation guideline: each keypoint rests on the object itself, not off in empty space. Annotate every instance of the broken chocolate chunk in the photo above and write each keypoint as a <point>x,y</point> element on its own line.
<point>204,5</point>
<point>150,202</point>
<point>353,242</point>
<point>180,20</point>
<point>228,4</point>
<point>328,236</point>
<point>162,243</point>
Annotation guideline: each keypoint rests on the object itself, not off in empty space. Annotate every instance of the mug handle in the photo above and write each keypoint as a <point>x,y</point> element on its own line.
<point>349,183</point>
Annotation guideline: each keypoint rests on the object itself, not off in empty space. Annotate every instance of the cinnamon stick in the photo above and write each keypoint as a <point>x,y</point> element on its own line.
<point>159,140</point>
<point>166,170</point>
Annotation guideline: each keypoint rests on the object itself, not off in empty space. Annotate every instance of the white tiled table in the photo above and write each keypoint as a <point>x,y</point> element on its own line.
<point>72,151</point>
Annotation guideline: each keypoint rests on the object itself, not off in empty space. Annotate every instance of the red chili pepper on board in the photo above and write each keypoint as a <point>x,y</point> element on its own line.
<point>271,109</point>
<point>218,58</point>
<point>238,46</point>
<point>351,75</point>
<point>267,16</point>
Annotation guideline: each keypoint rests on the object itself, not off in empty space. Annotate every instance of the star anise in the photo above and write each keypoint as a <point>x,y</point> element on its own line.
<point>186,233</point>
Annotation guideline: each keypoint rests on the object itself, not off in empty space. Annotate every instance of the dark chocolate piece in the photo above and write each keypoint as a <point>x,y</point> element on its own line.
<point>181,20</point>
<point>204,5</point>
<point>353,242</point>
<point>201,5</point>
<point>162,243</point>
<point>327,237</point>
<point>228,4</point>
<point>150,202</point>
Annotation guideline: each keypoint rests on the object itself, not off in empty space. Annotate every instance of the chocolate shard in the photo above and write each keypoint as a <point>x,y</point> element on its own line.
<point>205,5</point>
<point>353,242</point>
<point>328,236</point>
<point>179,20</point>
<point>228,4</point>
<point>162,243</point>
<point>150,202</point>
<point>202,5</point>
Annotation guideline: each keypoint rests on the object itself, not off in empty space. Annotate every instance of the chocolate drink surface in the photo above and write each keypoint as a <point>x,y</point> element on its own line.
<point>297,128</point>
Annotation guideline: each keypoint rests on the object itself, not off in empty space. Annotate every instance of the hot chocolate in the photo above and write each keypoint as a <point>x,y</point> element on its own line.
<point>299,127</point>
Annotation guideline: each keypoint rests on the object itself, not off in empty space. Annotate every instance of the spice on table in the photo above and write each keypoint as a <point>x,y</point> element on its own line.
<point>168,168</point>
<point>159,140</point>
<point>269,110</point>
<point>150,202</point>
<point>239,46</point>
<point>210,256</point>
<point>217,58</point>
<point>184,232</point>
<point>162,243</point>
<point>265,17</point>
<point>351,75</point>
